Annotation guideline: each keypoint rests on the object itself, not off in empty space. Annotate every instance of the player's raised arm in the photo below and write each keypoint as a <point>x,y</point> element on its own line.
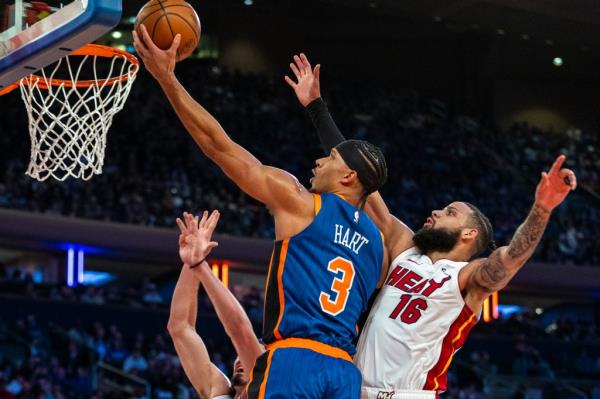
<point>204,376</point>
<point>229,311</point>
<point>272,186</point>
<point>307,88</point>
<point>494,273</point>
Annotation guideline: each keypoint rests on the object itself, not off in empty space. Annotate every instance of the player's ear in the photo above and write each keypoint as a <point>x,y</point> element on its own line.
<point>350,176</point>
<point>469,234</point>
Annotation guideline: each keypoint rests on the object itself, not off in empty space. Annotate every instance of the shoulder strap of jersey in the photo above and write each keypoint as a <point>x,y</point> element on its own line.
<point>317,201</point>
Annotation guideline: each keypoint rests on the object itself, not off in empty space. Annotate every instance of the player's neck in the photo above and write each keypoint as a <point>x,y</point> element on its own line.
<point>456,255</point>
<point>349,196</point>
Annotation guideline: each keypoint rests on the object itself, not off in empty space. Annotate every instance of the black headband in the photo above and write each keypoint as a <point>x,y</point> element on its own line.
<point>356,160</point>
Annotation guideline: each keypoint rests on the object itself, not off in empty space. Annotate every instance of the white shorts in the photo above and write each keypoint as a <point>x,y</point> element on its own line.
<point>379,393</point>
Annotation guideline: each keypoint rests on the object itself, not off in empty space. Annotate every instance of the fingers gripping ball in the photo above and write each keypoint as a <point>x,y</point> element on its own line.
<point>164,19</point>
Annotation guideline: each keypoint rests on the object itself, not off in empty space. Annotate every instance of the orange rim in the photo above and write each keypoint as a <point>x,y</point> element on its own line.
<point>89,49</point>
<point>8,89</point>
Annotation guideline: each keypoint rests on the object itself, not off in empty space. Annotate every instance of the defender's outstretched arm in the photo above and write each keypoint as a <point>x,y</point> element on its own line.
<point>204,376</point>
<point>307,87</point>
<point>494,273</point>
<point>195,244</point>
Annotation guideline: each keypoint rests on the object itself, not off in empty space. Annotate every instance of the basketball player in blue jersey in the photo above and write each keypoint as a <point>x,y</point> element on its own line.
<point>328,258</point>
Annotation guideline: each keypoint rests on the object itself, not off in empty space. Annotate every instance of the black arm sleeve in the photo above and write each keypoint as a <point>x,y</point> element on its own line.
<point>329,134</point>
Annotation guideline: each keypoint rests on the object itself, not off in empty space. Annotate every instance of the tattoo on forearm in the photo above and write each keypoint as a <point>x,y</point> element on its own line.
<point>492,271</point>
<point>528,235</point>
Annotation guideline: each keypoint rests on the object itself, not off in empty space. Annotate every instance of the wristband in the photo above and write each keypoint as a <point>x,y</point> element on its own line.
<point>195,265</point>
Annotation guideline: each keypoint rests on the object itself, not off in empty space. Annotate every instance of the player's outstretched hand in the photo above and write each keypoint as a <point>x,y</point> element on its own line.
<point>555,185</point>
<point>195,239</point>
<point>160,63</point>
<point>307,86</point>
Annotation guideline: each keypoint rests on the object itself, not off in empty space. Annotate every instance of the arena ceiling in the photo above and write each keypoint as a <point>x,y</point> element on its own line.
<point>576,22</point>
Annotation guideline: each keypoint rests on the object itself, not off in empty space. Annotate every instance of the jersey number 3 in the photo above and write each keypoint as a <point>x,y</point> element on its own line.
<point>341,286</point>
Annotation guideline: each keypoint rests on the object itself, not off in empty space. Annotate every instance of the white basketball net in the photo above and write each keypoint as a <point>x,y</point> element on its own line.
<point>68,124</point>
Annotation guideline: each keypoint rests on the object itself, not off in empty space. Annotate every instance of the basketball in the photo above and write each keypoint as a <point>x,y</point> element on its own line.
<point>164,19</point>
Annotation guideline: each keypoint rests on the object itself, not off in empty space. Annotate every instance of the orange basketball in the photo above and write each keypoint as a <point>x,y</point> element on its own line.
<point>164,19</point>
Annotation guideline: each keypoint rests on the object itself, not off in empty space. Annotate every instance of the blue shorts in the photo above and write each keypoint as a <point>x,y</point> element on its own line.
<point>286,373</point>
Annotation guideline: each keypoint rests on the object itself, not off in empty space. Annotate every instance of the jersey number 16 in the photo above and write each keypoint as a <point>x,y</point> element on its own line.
<point>409,311</point>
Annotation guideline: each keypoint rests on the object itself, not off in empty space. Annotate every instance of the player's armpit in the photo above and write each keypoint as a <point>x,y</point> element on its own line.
<point>398,236</point>
<point>220,382</point>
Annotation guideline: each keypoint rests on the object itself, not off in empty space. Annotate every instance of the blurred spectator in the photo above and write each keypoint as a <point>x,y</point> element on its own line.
<point>154,172</point>
<point>151,295</point>
<point>135,363</point>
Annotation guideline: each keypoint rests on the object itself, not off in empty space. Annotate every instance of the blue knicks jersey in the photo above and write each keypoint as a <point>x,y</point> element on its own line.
<point>321,279</point>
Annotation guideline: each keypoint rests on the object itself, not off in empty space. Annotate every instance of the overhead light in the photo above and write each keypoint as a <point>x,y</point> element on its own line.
<point>500,32</point>
<point>116,34</point>
<point>539,310</point>
<point>248,2</point>
<point>557,61</point>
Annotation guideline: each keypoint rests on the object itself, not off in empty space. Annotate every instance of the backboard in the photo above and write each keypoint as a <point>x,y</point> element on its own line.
<point>34,34</point>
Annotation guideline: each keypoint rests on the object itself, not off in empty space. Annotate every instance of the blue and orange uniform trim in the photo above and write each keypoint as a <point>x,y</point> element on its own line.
<point>319,282</point>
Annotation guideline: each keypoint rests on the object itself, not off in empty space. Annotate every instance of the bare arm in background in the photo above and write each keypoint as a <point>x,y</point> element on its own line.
<point>230,312</point>
<point>195,244</point>
<point>204,376</point>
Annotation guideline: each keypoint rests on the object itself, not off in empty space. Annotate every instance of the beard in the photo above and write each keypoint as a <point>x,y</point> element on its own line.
<point>428,239</point>
<point>238,380</point>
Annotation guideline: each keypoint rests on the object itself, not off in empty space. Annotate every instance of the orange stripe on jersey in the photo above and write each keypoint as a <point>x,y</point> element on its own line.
<point>451,343</point>
<point>317,199</point>
<point>282,255</point>
<point>263,386</point>
<point>315,346</point>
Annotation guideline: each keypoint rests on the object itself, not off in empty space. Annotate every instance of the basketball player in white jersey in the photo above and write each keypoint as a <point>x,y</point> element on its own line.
<point>434,290</point>
<point>194,246</point>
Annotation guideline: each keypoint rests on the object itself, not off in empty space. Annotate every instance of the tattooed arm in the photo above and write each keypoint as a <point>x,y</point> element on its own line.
<point>494,273</point>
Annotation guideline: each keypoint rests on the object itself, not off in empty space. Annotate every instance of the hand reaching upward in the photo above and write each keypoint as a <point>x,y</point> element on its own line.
<point>555,185</point>
<point>307,87</point>
<point>195,239</point>
<point>160,63</point>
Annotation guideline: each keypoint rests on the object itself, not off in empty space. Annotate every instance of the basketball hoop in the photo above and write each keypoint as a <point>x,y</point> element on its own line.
<point>69,117</point>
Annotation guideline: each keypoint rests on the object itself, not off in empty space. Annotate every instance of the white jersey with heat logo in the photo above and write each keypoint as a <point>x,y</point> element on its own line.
<point>417,323</point>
